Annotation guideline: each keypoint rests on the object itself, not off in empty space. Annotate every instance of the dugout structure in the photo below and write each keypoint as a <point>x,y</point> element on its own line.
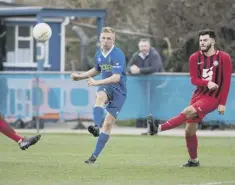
<point>23,52</point>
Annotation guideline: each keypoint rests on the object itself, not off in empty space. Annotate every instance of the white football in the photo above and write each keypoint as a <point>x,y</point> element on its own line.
<point>42,32</point>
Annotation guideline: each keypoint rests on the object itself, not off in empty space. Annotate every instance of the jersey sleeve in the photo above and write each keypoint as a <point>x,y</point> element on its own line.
<point>119,62</point>
<point>97,67</point>
<point>227,73</point>
<point>193,68</point>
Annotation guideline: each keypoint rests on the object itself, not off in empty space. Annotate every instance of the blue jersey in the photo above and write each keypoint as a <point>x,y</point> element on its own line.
<point>113,63</point>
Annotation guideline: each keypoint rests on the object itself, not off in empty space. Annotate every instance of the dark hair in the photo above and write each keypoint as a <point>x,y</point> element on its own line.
<point>144,40</point>
<point>208,31</point>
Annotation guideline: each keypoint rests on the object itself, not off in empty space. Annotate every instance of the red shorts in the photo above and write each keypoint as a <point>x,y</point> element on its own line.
<point>203,105</point>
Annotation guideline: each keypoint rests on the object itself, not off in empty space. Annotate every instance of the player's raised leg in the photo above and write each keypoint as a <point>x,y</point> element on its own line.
<point>98,113</point>
<point>190,132</point>
<point>23,142</point>
<point>8,131</point>
<point>188,113</point>
<point>103,137</point>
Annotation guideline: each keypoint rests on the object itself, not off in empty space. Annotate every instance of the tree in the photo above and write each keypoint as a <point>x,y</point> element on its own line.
<point>179,20</point>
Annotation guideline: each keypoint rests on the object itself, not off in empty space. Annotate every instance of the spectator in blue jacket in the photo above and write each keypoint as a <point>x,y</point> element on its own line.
<point>146,61</point>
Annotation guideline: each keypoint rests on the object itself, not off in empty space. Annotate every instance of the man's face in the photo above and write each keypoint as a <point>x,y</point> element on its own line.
<point>205,42</point>
<point>107,40</point>
<point>144,47</point>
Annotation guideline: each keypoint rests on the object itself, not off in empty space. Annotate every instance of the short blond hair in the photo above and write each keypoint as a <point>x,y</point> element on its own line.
<point>107,30</point>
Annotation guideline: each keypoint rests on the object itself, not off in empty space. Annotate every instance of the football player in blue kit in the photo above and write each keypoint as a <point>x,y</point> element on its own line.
<point>110,61</point>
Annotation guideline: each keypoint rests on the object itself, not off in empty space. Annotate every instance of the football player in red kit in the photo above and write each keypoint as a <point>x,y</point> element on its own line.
<point>210,71</point>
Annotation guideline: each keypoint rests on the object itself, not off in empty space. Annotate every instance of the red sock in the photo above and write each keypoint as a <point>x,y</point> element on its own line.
<point>8,131</point>
<point>192,144</point>
<point>174,122</point>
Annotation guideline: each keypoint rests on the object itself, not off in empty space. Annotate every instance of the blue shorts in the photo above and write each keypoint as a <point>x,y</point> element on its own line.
<point>116,99</point>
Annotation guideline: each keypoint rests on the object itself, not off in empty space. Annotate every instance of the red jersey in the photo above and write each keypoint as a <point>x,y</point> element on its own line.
<point>216,68</point>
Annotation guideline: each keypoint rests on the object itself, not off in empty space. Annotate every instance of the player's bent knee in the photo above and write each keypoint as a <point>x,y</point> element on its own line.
<point>101,99</point>
<point>190,111</point>
<point>107,127</point>
<point>190,129</point>
<point>189,133</point>
<point>108,123</point>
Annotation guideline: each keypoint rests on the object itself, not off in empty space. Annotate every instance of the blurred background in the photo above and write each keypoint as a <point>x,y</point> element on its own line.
<point>35,86</point>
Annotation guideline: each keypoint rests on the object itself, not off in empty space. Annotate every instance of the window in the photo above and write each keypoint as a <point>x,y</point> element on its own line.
<point>21,47</point>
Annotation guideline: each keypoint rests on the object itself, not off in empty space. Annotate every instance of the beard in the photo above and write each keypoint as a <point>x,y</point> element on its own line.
<point>207,48</point>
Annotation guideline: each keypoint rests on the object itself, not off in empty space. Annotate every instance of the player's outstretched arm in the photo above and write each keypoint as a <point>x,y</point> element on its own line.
<point>91,73</point>
<point>115,78</point>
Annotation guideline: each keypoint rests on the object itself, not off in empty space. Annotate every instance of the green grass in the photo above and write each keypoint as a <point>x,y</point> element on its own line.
<point>58,159</point>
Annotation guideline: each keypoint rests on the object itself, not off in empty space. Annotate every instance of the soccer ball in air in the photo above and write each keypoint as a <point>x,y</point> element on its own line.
<point>42,32</point>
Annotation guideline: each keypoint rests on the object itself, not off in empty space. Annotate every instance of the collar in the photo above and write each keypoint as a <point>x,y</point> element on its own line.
<point>105,55</point>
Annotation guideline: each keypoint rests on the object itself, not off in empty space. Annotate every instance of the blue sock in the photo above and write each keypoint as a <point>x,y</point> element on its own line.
<point>102,140</point>
<point>98,113</point>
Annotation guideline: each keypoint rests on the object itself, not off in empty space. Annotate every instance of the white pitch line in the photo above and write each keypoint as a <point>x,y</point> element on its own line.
<point>212,183</point>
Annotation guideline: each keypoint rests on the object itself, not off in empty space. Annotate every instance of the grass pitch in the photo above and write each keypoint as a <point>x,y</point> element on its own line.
<point>58,159</point>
